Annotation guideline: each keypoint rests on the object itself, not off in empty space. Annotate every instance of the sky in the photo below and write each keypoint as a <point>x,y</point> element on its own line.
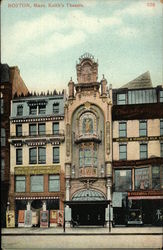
<point>45,39</point>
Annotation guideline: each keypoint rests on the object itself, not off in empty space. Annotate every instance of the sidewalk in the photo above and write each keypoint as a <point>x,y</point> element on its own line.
<point>83,231</point>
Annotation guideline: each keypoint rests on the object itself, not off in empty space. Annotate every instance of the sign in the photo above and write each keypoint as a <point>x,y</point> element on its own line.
<point>44,218</point>
<point>21,218</point>
<point>117,199</point>
<point>150,138</point>
<point>60,217</point>
<point>146,193</point>
<point>109,214</point>
<point>28,218</point>
<point>67,213</point>
<point>10,218</point>
<point>34,218</point>
<point>53,218</point>
<point>37,170</point>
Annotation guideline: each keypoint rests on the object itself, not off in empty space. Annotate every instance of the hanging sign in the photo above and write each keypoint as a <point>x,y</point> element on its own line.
<point>21,218</point>
<point>10,218</point>
<point>28,218</point>
<point>53,218</point>
<point>44,218</point>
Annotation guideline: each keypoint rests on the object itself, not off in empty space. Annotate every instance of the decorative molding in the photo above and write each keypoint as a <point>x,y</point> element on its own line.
<point>108,137</point>
<point>68,139</point>
<point>36,119</point>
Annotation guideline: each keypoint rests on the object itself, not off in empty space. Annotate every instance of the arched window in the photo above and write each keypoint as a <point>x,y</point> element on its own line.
<point>87,123</point>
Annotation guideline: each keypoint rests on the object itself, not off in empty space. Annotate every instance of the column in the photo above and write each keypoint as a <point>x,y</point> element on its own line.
<point>67,189</point>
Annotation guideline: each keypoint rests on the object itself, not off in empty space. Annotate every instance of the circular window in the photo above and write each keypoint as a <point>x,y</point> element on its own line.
<point>36,204</point>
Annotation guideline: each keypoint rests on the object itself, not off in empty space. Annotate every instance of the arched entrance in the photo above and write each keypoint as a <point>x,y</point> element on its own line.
<point>88,207</point>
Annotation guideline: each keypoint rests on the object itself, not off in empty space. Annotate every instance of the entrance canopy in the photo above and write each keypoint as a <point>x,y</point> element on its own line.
<point>88,195</point>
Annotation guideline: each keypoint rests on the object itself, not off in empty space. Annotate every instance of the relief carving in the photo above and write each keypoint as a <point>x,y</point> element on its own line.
<point>68,139</point>
<point>108,137</point>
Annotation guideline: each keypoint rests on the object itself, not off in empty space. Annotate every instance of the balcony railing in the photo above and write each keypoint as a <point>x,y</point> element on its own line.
<point>19,135</point>
<point>94,136</point>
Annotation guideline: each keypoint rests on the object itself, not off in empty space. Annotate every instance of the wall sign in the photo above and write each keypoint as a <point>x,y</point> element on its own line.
<point>37,170</point>
<point>21,218</point>
<point>28,218</point>
<point>10,218</point>
<point>44,218</point>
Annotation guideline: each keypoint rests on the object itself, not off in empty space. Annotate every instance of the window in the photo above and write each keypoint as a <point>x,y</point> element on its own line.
<point>161,95</point>
<point>156,177</point>
<point>56,155</point>
<point>2,169</point>
<point>142,128</point>
<point>42,109</point>
<point>18,130</point>
<point>161,149</point>
<point>3,137</point>
<point>121,99</point>
<point>88,157</point>
<point>161,127</point>
<point>123,152</point>
<point>41,129</point>
<point>32,129</point>
<point>122,180</point>
<point>143,151</point>
<point>55,108</point>
<point>142,96</point>
<point>33,110</point>
<point>142,178</point>
<point>54,183</point>
<point>41,155</point>
<point>20,110</point>
<point>37,183</point>
<point>20,184</point>
<point>122,129</point>
<point>33,155</point>
<point>18,156</point>
<point>56,128</point>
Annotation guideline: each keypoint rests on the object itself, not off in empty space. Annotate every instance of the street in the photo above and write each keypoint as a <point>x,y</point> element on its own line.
<point>149,238</point>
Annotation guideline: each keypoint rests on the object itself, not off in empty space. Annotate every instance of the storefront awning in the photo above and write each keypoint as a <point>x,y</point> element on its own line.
<point>145,197</point>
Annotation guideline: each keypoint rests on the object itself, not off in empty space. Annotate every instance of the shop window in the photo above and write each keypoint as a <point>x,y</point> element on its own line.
<point>41,129</point>
<point>18,129</point>
<point>42,109</point>
<point>123,152</point>
<point>156,177</point>
<point>37,183</point>
<point>122,129</point>
<point>161,149</point>
<point>56,128</point>
<point>54,183</point>
<point>2,103</point>
<point>33,110</point>
<point>142,178</point>
<point>3,137</point>
<point>32,129</point>
<point>122,180</point>
<point>20,110</point>
<point>143,151</point>
<point>121,99</point>
<point>20,184</point>
<point>33,155</point>
<point>161,95</point>
<point>2,169</point>
<point>55,108</point>
<point>42,155</point>
<point>142,128</point>
<point>19,156</point>
<point>161,127</point>
<point>56,155</point>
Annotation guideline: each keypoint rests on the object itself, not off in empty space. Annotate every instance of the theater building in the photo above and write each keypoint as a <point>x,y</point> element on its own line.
<point>37,153</point>
<point>88,164</point>
<point>11,84</point>
<point>138,153</point>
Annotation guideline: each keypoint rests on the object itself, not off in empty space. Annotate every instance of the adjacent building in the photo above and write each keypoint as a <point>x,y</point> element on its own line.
<point>11,84</point>
<point>138,153</point>
<point>37,153</point>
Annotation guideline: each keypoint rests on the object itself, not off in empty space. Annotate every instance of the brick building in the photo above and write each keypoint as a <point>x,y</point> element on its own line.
<point>137,116</point>
<point>11,84</point>
<point>37,153</point>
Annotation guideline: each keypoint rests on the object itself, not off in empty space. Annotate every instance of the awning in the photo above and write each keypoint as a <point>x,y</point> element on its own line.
<point>102,202</point>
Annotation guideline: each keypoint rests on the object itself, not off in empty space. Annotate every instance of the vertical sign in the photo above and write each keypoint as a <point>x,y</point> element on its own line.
<point>53,218</point>
<point>28,218</point>
<point>44,218</point>
<point>67,213</point>
<point>60,217</point>
<point>10,218</point>
<point>21,218</point>
<point>34,218</point>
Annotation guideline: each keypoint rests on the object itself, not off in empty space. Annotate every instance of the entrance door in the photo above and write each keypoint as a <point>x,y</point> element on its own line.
<point>90,214</point>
